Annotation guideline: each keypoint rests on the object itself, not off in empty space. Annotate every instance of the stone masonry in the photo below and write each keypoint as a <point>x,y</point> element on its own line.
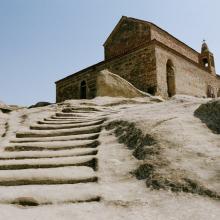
<point>152,60</point>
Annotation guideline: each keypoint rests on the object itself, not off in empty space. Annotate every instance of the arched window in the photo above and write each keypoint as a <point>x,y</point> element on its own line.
<point>83,90</point>
<point>171,87</point>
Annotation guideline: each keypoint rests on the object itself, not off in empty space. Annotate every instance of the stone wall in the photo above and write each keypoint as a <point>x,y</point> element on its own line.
<point>146,69</point>
<point>69,88</point>
<point>172,42</point>
<point>190,79</point>
<point>129,35</point>
<point>138,68</point>
<point>138,51</point>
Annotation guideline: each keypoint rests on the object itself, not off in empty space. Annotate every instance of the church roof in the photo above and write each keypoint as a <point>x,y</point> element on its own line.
<point>123,18</point>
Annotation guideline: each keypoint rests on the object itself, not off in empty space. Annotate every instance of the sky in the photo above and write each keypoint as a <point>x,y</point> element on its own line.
<point>42,41</point>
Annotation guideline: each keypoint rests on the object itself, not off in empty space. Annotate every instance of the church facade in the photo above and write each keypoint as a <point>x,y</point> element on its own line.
<point>152,60</point>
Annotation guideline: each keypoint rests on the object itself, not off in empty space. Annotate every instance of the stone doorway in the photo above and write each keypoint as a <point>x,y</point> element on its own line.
<point>83,90</point>
<point>171,87</point>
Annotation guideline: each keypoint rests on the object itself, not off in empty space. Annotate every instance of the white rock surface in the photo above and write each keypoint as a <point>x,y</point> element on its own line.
<point>53,194</point>
<point>47,154</point>
<point>54,174</point>
<point>187,143</point>
<point>110,84</point>
<point>62,161</point>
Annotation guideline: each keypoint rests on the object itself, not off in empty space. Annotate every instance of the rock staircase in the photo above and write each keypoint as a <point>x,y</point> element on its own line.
<point>55,161</point>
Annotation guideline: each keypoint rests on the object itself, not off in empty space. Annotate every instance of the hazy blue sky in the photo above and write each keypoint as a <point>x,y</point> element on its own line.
<point>42,41</point>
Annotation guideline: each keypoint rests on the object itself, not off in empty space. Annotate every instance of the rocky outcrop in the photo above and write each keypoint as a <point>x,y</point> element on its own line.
<point>209,113</point>
<point>40,104</point>
<point>110,84</point>
<point>5,108</point>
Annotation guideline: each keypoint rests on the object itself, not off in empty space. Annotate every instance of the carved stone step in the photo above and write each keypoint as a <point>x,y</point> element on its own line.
<point>92,136</point>
<point>73,120</point>
<point>80,109</point>
<point>85,117</point>
<point>61,132</point>
<point>47,176</point>
<point>61,114</point>
<point>57,122</point>
<point>53,146</point>
<point>89,161</point>
<point>54,127</point>
<point>49,194</point>
<point>20,155</point>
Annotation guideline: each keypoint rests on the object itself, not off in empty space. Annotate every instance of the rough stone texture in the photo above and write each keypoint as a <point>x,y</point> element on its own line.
<point>70,88</point>
<point>190,79</point>
<point>138,68</point>
<point>165,38</point>
<point>127,35</point>
<point>139,52</point>
<point>109,84</point>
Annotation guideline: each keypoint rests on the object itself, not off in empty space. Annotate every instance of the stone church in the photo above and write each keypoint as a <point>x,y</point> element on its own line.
<point>152,60</point>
